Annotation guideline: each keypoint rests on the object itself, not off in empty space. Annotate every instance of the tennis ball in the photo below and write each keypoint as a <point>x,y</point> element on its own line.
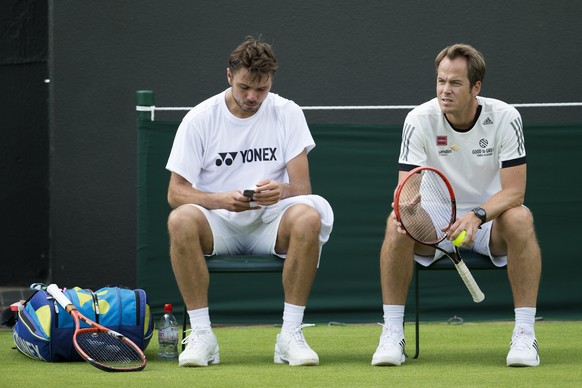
<point>460,238</point>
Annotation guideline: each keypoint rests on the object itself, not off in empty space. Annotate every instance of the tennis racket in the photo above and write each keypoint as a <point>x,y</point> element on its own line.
<point>426,208</point>
<point>103,348</point>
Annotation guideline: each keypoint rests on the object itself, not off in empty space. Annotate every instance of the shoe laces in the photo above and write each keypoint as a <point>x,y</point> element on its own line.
<point>296,335</point>
<point>390,337</point>
<point>197,336</point>
<point>522,341</point>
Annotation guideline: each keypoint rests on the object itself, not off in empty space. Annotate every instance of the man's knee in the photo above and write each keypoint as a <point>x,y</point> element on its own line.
<point>398,244</point>
<point>515,227</point>
<point>183,218</point>
<point>516,219</point>
<point>392,233</point>
<point>304,220</point>
<point>310,219</point>
<point>188,227</point>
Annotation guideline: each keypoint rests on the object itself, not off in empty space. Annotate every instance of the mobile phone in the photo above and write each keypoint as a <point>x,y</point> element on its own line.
<point>249,193</point>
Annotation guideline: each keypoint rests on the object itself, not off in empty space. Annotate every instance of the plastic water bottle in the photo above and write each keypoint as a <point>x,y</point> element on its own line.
<point>168,335</point>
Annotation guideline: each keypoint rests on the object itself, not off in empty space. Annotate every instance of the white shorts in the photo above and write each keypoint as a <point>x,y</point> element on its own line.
<point>481,245</point>
<point>254,232</point>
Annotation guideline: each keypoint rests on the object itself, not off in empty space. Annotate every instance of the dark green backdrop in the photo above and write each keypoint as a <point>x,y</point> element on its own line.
<point>355,168</point>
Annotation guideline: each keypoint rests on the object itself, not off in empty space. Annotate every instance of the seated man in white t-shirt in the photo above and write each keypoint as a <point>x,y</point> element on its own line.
<point>245,138</point>
<point>478,143</point>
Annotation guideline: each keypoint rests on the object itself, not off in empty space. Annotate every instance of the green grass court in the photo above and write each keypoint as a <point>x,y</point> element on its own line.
<point>467,355</point>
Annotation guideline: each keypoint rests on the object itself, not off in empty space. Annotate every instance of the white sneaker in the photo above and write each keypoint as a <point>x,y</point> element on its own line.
<point>201,348</point>
<point>390,350</point>
<point>523,350</point>
<point>291,348</point>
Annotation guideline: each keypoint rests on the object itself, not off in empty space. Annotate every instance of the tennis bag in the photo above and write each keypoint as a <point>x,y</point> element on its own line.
<point>44,330</point>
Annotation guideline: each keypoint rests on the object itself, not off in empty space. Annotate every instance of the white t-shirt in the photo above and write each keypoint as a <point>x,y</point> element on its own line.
<point>217,151</point>
<point>471,160</point>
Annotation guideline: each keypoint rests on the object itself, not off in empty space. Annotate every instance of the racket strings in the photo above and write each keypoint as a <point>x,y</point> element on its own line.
<point>108,349</point>
<point>426,207</point>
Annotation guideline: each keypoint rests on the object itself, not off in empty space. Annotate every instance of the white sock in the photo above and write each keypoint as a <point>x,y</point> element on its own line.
<point>199,317</point>
<point>525,318</point>
<point>292,316</point>
<point>394,317</point>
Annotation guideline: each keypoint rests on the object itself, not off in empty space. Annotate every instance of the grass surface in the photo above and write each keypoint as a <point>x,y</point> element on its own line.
<point>468,355</point>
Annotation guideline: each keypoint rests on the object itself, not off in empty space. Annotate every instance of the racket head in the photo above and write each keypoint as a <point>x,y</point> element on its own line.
<point>425,205</point>
<point>107,349</point>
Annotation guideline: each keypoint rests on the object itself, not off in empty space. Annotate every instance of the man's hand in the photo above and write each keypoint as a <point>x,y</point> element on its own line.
<point>268,192</point>
<point>235,201</point>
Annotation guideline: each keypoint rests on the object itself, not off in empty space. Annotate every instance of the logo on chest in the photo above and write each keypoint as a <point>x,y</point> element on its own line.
<point>252,155</point>
<point>442,142</point>
<point>484,149</point>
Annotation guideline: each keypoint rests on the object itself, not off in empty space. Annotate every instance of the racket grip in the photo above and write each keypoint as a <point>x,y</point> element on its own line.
<point>470,282</point>
<point>56,292</point>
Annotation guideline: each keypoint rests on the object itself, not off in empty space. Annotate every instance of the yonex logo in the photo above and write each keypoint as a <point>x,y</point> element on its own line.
<point>226,158</point>
<point>266,154</point>
<point>483,143</point>
<point>28,348</point>
<point>487,121</point>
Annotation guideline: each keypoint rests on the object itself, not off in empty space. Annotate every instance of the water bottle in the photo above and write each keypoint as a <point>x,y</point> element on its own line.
<point>168,335</point>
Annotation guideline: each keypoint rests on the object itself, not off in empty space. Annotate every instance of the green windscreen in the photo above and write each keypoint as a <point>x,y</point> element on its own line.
<point>355,168</point>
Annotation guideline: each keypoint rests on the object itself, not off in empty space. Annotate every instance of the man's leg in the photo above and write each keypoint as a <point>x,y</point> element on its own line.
<point>396,265</point>
<point>513,232</point>
<point>190,238</point>
<point>298,237</point>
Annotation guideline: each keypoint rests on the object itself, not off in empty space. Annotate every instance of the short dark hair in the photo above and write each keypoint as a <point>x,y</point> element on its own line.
<point>256,56</point>
<point>475,62</point>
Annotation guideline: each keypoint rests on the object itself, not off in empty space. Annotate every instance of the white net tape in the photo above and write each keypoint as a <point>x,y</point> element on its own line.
<point>152,109</point>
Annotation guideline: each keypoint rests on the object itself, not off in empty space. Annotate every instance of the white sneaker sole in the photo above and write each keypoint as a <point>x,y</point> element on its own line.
<point>521,362</point>
<point>279,359</point>
<point>214,360</point>
<point>387,361</point>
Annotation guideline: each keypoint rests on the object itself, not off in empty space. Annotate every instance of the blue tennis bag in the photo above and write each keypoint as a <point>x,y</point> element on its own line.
<point>44,330</point>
